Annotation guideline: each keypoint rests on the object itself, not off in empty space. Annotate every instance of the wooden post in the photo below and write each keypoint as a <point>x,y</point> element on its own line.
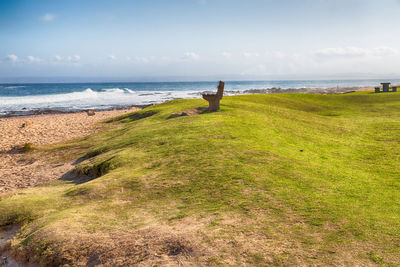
<point>214,99</point>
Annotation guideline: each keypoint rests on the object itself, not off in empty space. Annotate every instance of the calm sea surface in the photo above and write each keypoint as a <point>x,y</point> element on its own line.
<point>26,97</point>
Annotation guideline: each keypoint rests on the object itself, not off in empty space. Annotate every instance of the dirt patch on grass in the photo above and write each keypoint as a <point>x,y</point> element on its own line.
<point>188,112</point>
<point>231,239</point>
<point>146,247</point>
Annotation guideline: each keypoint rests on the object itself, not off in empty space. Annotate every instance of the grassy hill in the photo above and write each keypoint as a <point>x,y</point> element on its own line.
<point>282,179</point>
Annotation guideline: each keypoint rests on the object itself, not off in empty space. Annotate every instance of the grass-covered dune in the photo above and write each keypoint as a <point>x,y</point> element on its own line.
<point>282,179</point>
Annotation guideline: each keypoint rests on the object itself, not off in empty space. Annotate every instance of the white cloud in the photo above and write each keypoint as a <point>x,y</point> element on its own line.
<point>279,55</point>
<point>68,59</point>
<point>12,58</point>
<point>226,55</point>
<point>33,59</point>
<point>352,52</point>
<point>342,52</point>
<point>48,17</point>
<point>142,59</point>
<point>385,51</point>
<point>74,58</point>
<point>112,57</point>
<point>278,63</point>
<point>259,69</point>
<point>250,54</point>
<point>190,56</point>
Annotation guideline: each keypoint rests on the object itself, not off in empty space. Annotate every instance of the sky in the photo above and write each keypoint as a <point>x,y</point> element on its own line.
<point>200,39</point>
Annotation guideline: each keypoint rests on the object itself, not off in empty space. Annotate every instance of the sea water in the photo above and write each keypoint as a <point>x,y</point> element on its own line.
<point>23,98</point>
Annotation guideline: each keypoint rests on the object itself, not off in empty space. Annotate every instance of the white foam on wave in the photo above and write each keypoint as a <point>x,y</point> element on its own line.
<point>106,98</point>
<point>129,91</point>
<point>114,90</point>
<point>47,99</point>
<point>14,87</point>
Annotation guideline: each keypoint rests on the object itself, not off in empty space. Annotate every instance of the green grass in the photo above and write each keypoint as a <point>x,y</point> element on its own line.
<point>283,179</point>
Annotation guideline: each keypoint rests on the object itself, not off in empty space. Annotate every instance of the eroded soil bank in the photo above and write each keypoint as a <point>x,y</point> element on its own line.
<point>6,259</point>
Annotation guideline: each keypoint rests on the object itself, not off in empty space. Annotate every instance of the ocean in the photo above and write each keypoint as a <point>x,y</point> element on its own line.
<point>25,98</point>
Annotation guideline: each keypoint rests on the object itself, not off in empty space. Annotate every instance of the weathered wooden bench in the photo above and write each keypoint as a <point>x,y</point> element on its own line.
<point>214,99</point>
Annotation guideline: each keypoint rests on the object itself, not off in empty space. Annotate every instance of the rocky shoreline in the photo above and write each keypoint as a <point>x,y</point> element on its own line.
<point>332,90</point>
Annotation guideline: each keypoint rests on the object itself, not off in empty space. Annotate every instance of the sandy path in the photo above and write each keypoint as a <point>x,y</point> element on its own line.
<point>18,172</point>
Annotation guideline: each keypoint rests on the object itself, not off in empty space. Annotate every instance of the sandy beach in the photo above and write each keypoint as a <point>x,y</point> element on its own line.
<point>18,172</point>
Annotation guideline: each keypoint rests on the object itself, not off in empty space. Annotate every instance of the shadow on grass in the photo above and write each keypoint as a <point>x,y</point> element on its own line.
<point>138,115</point>
<point>76,177</point>
<point>190,112</point>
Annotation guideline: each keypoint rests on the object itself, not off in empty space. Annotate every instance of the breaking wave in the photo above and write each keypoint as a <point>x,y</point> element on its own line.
<point>106,98</point>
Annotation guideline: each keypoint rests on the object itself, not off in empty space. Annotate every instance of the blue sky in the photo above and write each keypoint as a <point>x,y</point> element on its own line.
<point>199,39</point>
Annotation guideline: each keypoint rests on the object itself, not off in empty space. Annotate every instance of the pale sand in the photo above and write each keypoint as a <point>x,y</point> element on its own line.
<point>18,172</point>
